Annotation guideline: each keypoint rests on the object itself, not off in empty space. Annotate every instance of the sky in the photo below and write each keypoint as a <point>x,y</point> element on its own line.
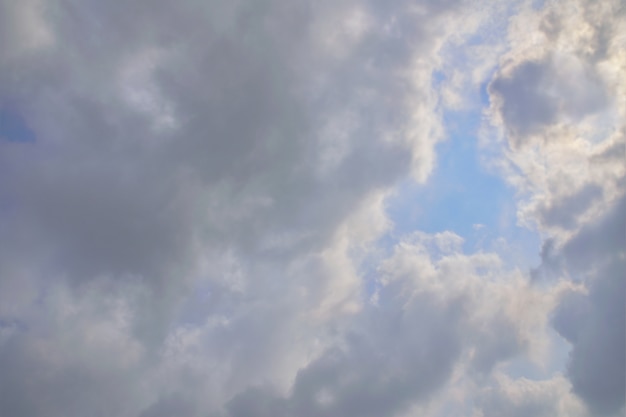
<point>346,208</point>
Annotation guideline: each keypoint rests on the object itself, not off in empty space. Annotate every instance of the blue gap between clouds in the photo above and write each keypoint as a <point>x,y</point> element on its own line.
<point>13,127</point>
<point>459,194</point>
<point>462,196</point>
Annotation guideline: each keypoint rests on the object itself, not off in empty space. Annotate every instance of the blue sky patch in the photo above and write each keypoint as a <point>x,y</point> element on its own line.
<point>459,195</point>
<point>13,127</point>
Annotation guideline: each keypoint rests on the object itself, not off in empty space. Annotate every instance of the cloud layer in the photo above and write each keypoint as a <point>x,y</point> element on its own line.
<point>193,209</point>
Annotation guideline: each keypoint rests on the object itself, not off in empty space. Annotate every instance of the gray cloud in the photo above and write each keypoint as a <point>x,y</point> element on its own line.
<point>433,314</point>
<point>526,397</point>
<point>401,359</point>
<point>104,194</point>
<point>600,241</point>
<point>598,363</point>
<point>595,323</point>
<point>173,227</point>
<point>569,208</point>
<point>174,405</point>
<point>526,107</point>
<point>554,105</point>
<point>181,234</point>
<point>537,94</point>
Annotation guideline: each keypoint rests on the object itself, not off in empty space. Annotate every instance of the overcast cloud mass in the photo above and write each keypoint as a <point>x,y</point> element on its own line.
<point>206,208</point>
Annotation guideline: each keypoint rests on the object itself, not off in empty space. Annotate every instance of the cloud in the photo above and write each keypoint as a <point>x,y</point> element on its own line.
<point>200,227</point>
<point>537,94</point>
<point>558,111</point>
<point>184,225</point>
<point>381,372</point>
<point>436,311</point>
<point>594,323</point>
<point>524,397</point>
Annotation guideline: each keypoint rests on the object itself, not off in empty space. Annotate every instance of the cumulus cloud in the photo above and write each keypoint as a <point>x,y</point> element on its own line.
<point>526,397</point>
<point>193,207</point>
<point>536,94</point>
<point>436,309</point>
<point>595,323</point>
<point>558,109</point>
<point>182,221</point>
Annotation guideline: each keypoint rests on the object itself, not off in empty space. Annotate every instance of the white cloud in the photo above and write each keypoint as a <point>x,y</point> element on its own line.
<point>557,104</point>
<point>525,397</point>
<point>440,320</point>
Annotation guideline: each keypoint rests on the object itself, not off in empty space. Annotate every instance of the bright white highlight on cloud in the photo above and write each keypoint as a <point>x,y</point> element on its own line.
<point>197,208</point>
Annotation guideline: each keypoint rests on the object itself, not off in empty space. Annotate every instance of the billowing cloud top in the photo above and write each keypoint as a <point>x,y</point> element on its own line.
<point>202,208</point>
